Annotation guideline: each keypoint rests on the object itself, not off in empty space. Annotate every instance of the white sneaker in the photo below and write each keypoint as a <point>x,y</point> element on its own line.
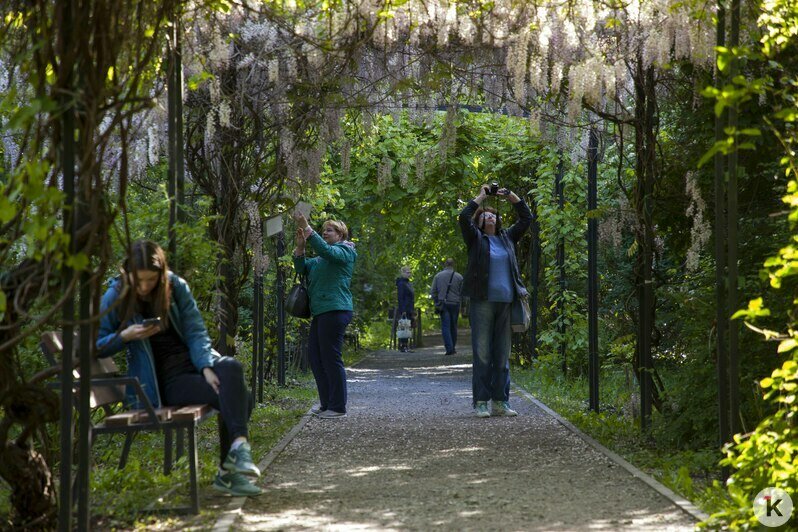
<point>502,408</point>
<point>481,409</point>
<point>330,414</point>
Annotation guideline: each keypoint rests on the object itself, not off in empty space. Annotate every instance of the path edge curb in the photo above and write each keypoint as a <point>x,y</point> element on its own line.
<point>233,509</point>
<point>685,505</point>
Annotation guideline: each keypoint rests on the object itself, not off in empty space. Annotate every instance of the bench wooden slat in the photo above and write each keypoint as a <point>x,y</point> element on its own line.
<point>123,419</point>
<point>163,414</point>
<point>191,412</point>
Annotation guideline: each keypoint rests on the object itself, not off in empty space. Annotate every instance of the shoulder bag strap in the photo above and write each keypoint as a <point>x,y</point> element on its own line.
<point>446,293</point>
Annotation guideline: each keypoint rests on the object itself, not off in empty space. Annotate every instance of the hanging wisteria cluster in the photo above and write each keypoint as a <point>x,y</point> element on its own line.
<point>301,67</point>
<point>304,65</point>
<point>353,54</point>
<point>701,231</point>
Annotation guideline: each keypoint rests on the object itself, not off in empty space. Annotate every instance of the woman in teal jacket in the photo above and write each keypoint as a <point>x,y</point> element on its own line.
<point>329,275</point>
<point>170,353</point>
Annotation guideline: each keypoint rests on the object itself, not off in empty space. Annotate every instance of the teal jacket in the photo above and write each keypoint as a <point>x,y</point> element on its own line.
<point>329,274</point>
<point>184,316</point>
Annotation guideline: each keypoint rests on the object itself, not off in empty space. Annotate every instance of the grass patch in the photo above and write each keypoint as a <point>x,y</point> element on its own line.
<point>119,498</point>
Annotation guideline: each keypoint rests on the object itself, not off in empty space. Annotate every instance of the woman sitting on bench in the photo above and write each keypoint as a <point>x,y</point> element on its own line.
<point>150,312</point>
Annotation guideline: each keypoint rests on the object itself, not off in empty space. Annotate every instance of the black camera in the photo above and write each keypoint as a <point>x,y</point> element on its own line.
<point>493,189</point>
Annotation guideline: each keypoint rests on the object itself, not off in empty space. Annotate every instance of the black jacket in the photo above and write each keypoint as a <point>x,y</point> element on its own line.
<point>475,279</point>
<point>405,297</point>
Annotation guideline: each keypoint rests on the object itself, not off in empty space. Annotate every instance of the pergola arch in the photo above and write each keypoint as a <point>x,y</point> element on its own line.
<point>503,58</point>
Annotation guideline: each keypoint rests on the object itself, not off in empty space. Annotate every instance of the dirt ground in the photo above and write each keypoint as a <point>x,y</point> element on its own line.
<point>412,456</point>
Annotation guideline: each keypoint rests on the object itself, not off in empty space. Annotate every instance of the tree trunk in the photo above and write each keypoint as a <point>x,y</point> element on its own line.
<point>643,192</point>
<point>33,494</point>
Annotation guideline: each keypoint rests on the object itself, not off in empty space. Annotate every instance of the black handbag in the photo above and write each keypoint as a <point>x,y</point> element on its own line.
<point>297,302</point>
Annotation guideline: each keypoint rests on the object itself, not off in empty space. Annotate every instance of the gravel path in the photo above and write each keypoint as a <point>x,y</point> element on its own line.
<point>411,456</point>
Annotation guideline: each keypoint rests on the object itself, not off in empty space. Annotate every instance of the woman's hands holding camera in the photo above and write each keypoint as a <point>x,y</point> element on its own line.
<point>300,220</point>
<point>494,190</point>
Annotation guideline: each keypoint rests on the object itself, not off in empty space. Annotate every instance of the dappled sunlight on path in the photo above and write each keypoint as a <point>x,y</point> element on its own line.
<point>411,456</point>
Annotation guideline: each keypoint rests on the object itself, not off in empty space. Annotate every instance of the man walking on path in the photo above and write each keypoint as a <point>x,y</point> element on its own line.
<point>445,293</point>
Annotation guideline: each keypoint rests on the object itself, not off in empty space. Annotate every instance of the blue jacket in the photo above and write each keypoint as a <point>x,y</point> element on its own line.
<point>329,274</point>
<point>184,316</point>
<point>405,297</point>
<point>475,279</point>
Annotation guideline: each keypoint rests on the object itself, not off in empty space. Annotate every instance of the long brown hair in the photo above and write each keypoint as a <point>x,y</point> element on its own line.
<point>146,255</point>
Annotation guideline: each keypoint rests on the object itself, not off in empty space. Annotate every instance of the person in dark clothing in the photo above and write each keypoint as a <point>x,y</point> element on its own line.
<point>492,280</point>
<point>405,302</point>
<point>173,359</point>
<point>445,293</point>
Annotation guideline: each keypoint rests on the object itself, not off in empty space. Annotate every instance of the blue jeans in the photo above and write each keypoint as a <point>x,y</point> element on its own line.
<point>449,325</point>
<point>491,338</point>
<point>324,355</point>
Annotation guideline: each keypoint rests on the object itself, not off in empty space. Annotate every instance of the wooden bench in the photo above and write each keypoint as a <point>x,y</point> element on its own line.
<point>108,396</point>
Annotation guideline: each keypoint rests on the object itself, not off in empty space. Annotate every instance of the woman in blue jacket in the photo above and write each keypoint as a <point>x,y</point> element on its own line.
<point>405,303</point>
<point>492,280</point>
<point>329,275</point>
<point>173,358</point>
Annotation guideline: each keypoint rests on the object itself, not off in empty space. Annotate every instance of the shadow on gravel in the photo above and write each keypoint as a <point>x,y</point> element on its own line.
<point>411,456</point>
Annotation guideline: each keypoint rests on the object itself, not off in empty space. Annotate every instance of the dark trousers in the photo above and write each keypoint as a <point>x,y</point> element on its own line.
<point>234,401</point>
<point>326,362</point>
<point>449,316</point>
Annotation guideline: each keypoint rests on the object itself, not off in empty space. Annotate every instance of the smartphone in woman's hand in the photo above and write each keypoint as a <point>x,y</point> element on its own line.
<point>149,322</point>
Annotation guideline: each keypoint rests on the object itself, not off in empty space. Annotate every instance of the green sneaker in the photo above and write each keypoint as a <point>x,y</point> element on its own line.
<point>502,408</point>
<point>481,409</point>
<point>239,460</point>
<point>235,484</point>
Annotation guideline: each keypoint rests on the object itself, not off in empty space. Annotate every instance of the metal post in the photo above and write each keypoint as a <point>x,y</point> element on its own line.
<point>731,197</point>
<point>180,171</point>
<point>280,313</point>
<point>534,261</point>
<point>85,348</point>
<point>592,269</point>
<point>645,141</point>
<point>261,337</point>
<point>67,338</point>
<point>419,341</point>
<point>171,123</point>
<point>721,312</point>
<point>261,328</point>
<point>560,191</point>
<point>257,326</point>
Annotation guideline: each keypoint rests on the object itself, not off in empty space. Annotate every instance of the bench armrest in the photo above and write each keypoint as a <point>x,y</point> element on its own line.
<point>117,381</point>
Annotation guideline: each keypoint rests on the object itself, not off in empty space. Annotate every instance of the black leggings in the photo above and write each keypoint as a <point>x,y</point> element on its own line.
<point>234,401</point>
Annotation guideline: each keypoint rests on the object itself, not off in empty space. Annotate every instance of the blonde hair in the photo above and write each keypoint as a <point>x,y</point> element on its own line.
<point>338,227</point>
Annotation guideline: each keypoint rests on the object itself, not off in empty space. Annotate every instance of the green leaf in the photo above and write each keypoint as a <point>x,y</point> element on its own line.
<point>787,345</point>
<point>724,60</point>
<point>78,262</point>
<point>7,210</point>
